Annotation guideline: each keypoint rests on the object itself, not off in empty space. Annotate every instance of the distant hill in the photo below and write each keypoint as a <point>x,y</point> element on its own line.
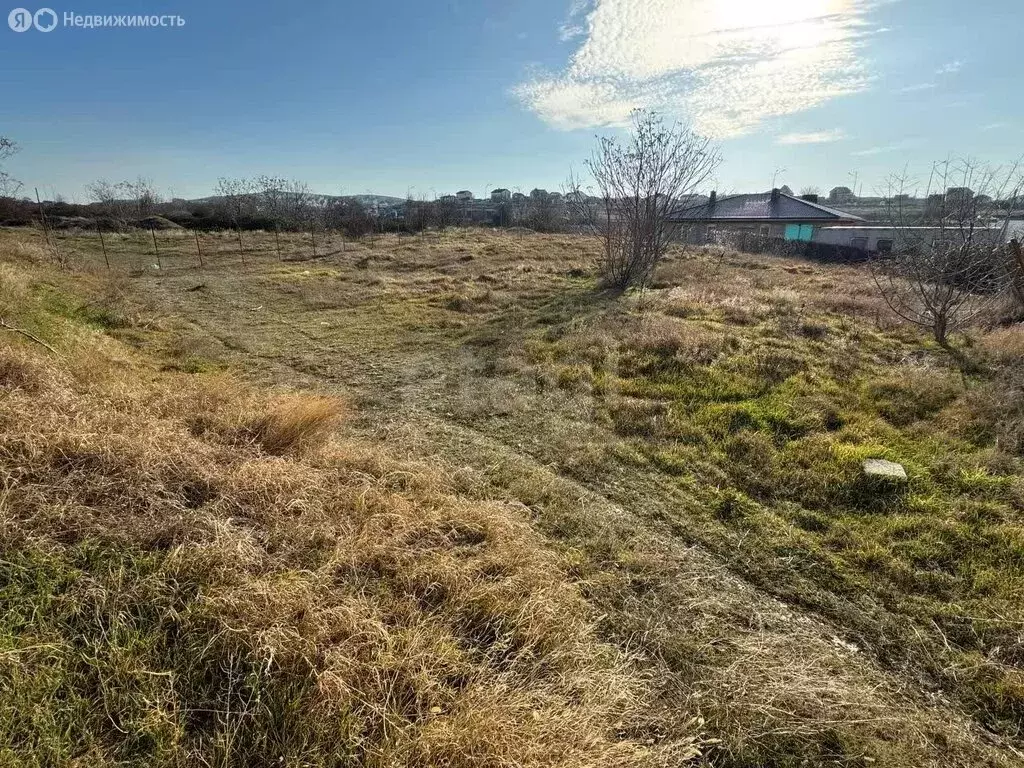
<point>366,199</point>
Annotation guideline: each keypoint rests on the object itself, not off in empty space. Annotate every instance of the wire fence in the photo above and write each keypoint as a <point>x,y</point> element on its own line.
<point>169,250</point>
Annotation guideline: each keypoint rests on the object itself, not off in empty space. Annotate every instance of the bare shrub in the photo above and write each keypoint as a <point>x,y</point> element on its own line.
<point>944,275</point>
<point>639,186</point>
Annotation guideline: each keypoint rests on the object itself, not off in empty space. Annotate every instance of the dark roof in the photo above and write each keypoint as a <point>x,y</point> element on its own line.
<point>765,206</point>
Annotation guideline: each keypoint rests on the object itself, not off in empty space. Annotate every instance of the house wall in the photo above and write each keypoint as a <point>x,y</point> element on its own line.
<point>885,238</point>
<point>864,238</point>
<point>722,233</point>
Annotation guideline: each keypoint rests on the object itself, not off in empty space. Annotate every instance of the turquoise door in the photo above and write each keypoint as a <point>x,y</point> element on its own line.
<point>799,232</point>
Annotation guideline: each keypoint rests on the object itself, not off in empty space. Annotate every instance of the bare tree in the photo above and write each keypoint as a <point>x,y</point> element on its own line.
<point>419,214</point>
<point>142,196</point>
<point>124,200</point>
<point>350,216</point>
<point>107,195</point>
<point>447,212</point>
<point>545,212</point>
<point>949,263</point>
<point>284,202</point>
<point>639,185</point>
<point>810,190</point>
<point>236,197</point>
<point>9,186</point>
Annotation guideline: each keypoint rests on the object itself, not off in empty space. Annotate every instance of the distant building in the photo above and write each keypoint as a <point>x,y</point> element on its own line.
<point>518,197</point>
<point>500,195</point>
<point>841,195</point>
<point>555,197</point>
<point>464,196</point>
<point>539,194</point>
<point>772,214</point>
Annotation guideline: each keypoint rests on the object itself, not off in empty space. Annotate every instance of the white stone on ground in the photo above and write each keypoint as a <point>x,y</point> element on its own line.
<point>883,468</point>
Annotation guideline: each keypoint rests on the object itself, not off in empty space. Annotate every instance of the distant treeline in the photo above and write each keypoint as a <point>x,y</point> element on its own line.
<point>346,215</point>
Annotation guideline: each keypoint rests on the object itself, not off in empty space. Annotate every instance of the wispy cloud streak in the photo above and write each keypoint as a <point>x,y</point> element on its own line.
<point>813,137</point>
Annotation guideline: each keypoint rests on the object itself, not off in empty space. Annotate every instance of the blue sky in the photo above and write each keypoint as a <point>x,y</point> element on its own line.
<point>431,96</point>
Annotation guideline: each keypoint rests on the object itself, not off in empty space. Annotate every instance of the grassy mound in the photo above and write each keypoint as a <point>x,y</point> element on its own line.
<point>157,222</point>
<point>192,573</point>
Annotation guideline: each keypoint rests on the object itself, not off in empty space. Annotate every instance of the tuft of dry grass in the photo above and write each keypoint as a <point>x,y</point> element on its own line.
<point>294,424</point>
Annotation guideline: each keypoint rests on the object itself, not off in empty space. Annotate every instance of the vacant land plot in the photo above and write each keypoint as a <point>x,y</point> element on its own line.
<point>689,458</point>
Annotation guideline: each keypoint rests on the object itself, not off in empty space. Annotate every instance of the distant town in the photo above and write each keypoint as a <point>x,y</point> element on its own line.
<point>841,220</point>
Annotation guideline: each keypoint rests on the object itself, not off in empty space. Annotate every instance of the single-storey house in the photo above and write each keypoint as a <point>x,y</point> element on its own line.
<point>774,215</point>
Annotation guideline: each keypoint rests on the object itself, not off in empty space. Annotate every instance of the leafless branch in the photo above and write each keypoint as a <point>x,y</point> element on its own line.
<point>4,325</point>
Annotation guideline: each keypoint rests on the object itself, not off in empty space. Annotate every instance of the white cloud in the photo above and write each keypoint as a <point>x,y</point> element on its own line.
<point>950,68</point>
<point>916,88</point>
<point>873,151</point>
<point>727,65</point>
<point>813,137</point>
<point>881,150</point>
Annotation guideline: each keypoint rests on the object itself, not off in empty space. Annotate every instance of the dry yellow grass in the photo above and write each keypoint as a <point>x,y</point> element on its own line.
<point>176,596</point>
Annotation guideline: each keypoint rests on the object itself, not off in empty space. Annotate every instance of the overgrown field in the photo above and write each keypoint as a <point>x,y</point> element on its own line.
<point>195,574</point>
<point>554,527</point>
